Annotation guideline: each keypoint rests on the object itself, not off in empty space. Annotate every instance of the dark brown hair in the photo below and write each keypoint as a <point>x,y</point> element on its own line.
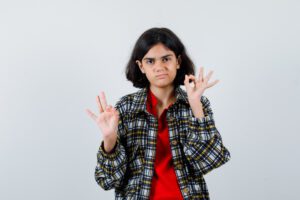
<point>144,43</point>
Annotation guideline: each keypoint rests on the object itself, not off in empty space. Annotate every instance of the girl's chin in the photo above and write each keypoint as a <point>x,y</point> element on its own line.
<point>162,82</point>
<point>162,85</point>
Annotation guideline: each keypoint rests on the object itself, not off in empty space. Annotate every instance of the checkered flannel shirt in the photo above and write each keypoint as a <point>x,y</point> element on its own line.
<point>196,147</point>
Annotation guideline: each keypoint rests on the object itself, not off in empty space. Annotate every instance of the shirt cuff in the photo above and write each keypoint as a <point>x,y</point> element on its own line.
<point>202,122</point>
<point>113,153</point>
<point>199,128</point>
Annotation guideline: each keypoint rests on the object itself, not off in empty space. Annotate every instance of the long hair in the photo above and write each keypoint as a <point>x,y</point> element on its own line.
<point>144,43</point>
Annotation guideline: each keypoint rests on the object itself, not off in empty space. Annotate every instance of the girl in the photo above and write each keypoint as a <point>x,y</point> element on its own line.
<point>159,141</point>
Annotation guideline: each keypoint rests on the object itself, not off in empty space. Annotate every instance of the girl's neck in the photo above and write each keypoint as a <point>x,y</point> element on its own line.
<point>164,96</point>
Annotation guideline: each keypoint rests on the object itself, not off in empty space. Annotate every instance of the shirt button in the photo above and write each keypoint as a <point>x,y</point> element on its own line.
<point>171,118</point>
<point>174,142</point>
<point>186,190</point>
<point>179,166</point>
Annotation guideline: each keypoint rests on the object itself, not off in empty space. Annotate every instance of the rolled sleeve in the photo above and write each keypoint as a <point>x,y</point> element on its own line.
<point>113,153</point>
<point>204,148</point>
<point>200,127</point>
<point>111,166</point>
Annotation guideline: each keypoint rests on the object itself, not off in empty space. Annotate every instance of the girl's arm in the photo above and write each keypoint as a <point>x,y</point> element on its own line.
<point>204,148</point>
<point>111,167</point>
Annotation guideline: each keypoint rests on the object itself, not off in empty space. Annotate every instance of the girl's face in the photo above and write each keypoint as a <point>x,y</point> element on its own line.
<point>159,65</point>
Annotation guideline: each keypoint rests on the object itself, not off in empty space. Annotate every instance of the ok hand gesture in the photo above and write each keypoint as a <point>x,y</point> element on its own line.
<point>200,85</point>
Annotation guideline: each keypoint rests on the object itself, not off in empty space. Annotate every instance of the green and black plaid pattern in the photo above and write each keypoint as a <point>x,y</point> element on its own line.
<point>196,147</point>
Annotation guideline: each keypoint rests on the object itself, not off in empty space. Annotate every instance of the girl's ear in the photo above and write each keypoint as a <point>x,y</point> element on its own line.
<point>140,66</point>
<point>178,61</point>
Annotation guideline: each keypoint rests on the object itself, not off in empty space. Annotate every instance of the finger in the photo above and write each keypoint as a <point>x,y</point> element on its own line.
<point>103,100</point>
<point>192,78</point>
<point>200,76</point>
<point>193,81</point>
<point>115,111</point>
<point>117,114</point>
<point>109,108</point>
<point>91,114</point>
<point>208,76</point>
<point>186,82</point>
<point>99,104</point>
<point>212,84</point>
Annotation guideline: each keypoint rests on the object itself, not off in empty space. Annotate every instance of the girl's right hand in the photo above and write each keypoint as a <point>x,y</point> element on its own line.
<point>107,120</point>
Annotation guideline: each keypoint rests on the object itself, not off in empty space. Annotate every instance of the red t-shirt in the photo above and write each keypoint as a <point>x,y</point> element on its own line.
<point>164,184</point>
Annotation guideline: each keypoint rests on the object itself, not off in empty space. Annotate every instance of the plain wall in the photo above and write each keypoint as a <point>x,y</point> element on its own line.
<point>56,56</point>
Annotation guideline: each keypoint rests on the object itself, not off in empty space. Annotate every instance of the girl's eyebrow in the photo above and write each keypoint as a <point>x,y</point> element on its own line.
<point>160,57</point>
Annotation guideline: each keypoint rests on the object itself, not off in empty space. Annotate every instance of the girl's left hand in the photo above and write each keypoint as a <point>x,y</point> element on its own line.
<point>195,92</point>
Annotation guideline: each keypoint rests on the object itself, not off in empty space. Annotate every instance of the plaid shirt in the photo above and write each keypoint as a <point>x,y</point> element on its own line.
<point>196,147</point>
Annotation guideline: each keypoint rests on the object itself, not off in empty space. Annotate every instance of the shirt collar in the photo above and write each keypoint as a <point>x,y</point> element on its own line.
<point>140,99</point>
<point>152,100</point>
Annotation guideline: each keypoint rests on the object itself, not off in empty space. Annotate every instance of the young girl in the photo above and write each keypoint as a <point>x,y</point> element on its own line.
<point>159,141</point>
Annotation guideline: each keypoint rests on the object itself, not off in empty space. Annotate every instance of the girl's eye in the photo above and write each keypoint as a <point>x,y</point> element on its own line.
<point>149,61</point>
<point>165,59</point>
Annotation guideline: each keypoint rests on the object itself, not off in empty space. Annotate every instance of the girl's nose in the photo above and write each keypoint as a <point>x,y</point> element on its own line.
<point>160,66</point>
<point>159,69</point>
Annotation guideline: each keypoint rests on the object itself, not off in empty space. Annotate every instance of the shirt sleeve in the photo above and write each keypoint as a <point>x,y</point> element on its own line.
<point>204,148</point>
<point>111,167</point>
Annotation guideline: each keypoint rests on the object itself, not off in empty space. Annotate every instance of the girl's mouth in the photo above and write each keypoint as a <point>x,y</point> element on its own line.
<point>161,75</point>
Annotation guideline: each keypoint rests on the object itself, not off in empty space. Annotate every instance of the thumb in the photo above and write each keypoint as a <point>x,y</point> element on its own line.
<point>186,81</point>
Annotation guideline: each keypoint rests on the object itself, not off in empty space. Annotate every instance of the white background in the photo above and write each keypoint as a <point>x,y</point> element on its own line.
<point>56,56</point>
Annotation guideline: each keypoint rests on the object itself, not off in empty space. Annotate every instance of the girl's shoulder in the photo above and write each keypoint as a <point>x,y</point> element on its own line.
<point>131,101</point>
